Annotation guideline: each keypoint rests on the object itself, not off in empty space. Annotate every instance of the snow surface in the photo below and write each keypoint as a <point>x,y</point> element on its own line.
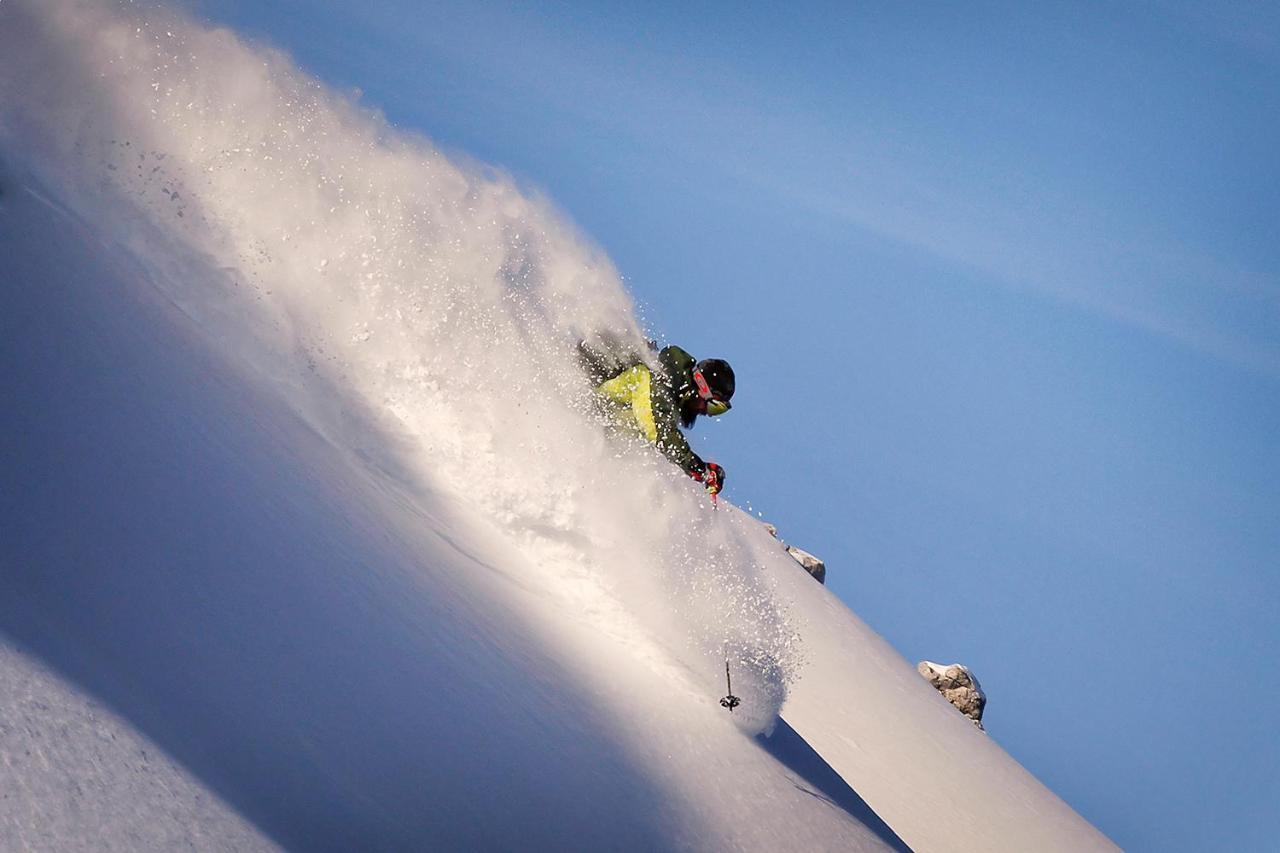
<point>75,772</point>
<point>300,481</point>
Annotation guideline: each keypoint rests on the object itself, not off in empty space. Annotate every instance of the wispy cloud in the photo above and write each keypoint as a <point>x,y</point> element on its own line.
<point>1175,292</point>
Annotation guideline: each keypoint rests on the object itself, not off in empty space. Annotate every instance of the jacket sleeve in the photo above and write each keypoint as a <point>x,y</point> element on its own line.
<point>647,403</point>
<point>670,440</point>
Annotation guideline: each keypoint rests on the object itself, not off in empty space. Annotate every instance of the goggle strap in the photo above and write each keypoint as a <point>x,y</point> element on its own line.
<point>704,390</point>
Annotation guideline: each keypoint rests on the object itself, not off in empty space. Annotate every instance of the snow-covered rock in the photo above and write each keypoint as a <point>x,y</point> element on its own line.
<point>958,685</point>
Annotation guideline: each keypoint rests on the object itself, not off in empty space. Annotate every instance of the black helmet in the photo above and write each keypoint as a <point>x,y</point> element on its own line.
<point>719,377</point>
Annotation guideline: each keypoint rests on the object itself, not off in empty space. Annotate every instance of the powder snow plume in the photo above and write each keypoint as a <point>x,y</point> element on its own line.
<point>420,312</point>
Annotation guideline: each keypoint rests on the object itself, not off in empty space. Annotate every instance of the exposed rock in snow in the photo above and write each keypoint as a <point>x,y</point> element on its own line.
<point>811,564</point>
<point>958,685</point>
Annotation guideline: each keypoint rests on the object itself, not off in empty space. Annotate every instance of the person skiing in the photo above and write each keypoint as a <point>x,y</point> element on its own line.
<point>657,399</point>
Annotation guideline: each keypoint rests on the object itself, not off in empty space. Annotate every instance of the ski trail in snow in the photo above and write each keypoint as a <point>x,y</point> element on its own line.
<point>49,203</point>
<point>581,595</point>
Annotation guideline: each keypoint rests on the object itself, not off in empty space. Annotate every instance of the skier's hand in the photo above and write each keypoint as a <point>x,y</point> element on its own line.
<point>713,478</point>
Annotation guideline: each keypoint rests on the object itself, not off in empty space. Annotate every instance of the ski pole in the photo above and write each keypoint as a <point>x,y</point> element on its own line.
<point>730,701</point>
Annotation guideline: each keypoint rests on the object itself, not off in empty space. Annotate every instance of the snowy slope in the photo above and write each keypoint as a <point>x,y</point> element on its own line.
<point>70,764</point>
<point>346,663</point>
<point>298,479</point>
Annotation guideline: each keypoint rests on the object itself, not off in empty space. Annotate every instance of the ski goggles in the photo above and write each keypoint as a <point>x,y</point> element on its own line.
<point>714,405</point>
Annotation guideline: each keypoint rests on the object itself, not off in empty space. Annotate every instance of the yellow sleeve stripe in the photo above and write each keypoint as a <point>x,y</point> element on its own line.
<point>642,406</point>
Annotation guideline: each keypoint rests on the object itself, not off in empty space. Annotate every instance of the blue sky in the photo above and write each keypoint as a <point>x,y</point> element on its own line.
<point>1001,284</point>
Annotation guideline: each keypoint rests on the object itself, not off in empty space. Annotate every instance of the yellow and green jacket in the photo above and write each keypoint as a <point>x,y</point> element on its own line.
<point>649,400</point>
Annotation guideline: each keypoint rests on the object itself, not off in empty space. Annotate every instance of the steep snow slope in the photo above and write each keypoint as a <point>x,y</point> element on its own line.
<point>300,480</point>
<point>347,661</point>
<point>927,770</point>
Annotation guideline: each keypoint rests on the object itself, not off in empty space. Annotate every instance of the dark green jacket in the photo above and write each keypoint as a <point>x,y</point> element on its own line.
<point>650,400</point>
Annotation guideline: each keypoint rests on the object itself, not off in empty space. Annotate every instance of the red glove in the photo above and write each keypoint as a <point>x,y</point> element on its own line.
<point>713,478</point>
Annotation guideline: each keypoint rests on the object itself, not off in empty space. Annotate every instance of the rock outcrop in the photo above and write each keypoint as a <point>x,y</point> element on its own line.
<point>811,564</point>
<point>958,685</point>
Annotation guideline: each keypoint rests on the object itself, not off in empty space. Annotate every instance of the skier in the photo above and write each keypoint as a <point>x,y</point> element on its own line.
<point>657,399</point>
